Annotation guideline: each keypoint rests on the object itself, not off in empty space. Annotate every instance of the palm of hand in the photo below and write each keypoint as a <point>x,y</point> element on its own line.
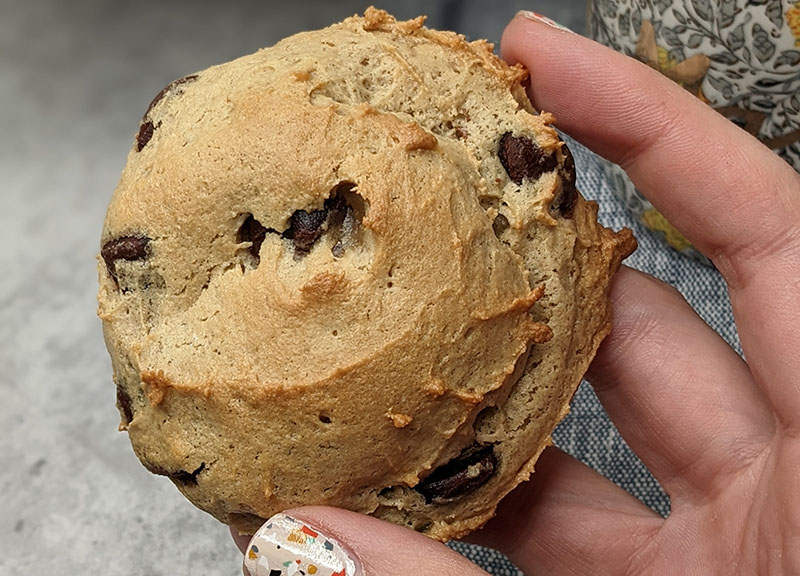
<point>743,522</point>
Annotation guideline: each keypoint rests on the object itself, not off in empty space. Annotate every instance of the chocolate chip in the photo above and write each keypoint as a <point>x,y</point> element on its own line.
<point>340,218</point>
<point>252,231</point>
<point>146,129</point>
<point>124,248</point>
<point>167,88</point>
<point>500,225</point>
<point>462,475</point>
<point>337,209</point>
<point>522,158</point>
<point>124,402</point>
<point>565,203</point>
<point>305,228</point>
<point>568,168</point>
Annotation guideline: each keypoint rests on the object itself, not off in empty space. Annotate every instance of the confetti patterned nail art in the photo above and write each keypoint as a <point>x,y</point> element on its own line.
<point>284,546</point>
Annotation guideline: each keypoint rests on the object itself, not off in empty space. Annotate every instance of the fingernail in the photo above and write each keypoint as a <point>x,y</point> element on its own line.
<point>536,17</point>
<point>284,546</point>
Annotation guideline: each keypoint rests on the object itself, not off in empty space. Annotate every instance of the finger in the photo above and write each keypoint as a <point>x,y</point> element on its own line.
<point>679,395</point>
<point>732,197</point>
<point>691,161</point>
<point>334,542</point>
<point>568,519</point>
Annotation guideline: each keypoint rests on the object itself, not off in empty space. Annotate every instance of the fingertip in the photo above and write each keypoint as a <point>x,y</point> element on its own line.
<point>337,541</point>
<point>526,26</point>
<point>291,541</point>
<point>556,58</point>
<point>510,39</point>
<point>663,137</point>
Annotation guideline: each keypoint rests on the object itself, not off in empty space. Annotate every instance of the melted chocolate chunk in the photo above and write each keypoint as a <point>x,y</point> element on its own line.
<point>167,88</point>
<point>522,158</point>
<point>305,228</point>
<point>124,402</point>
<point>251,230</point>
<point>339,218</point>
<point>461,476</point>
<point>565,203</point>
<point>146,129</point>
<point>124,248</point>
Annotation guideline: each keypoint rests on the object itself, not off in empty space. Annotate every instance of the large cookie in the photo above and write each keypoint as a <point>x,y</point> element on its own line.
<point>351,269</point>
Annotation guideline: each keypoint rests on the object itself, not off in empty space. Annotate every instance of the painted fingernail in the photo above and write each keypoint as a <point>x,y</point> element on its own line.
<point>536,17</point>
<point>284,546</point>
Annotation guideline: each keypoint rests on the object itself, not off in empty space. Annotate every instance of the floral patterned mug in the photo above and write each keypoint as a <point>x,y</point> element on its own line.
<point>740,57</point>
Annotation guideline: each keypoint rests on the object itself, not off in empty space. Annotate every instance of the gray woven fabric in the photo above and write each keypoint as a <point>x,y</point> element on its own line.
<point>587,433</point>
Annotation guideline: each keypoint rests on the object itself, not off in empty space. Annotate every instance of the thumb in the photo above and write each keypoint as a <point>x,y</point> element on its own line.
<point>333,542</point>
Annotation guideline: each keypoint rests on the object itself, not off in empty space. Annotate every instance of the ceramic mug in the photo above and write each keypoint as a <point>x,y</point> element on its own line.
<point>741,58</point>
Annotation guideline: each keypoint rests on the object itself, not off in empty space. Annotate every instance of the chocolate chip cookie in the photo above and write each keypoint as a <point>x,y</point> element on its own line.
<point>351,269</point>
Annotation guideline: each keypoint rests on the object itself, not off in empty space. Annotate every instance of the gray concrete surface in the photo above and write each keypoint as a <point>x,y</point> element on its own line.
<point>75,77</point>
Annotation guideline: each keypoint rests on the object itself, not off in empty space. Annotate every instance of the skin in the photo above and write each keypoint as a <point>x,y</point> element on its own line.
<point>721,435</point>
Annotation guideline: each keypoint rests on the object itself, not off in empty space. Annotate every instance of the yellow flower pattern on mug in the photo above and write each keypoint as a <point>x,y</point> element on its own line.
<point>793,18</point>
<point>654,220</point>
<point>739,57</point>
<point>665,62</point>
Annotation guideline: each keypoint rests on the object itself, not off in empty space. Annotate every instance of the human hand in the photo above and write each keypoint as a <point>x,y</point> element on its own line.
<point>722,436</point>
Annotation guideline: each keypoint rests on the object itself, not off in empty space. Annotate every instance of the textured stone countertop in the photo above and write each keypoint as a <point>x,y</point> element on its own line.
<point>75,77</point>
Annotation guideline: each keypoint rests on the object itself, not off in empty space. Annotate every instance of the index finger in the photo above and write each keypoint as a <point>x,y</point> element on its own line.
<point>723,188</point>
<point>733,198</point>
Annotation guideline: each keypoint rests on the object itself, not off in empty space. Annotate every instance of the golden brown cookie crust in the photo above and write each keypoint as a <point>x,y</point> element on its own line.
<point>439,302</point>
